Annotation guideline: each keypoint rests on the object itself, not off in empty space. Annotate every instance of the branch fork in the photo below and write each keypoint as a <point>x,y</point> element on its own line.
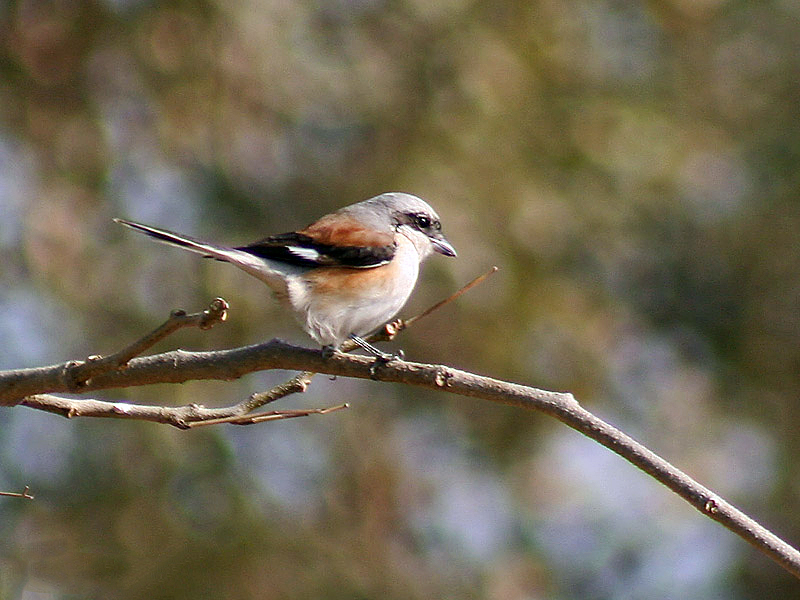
<point>77,374</point>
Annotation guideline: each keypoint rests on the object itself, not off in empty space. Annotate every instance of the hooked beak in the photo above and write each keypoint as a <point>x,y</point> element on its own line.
<point>442,246</point>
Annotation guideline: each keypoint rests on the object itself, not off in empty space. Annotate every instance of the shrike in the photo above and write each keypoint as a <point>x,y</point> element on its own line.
<point>345,274</point>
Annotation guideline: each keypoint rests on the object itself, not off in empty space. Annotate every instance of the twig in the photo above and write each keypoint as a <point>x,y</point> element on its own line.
<point>80,372</point>
<point>389,331</point>
<point>296,385</point>
<point>275,415</point>
<point>177,416</point>
<point>26,493</point>
<point>477,281</point>
<point>182,417</point>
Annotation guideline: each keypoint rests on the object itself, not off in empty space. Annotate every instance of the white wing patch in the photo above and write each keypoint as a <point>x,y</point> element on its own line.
<point>304,253</point>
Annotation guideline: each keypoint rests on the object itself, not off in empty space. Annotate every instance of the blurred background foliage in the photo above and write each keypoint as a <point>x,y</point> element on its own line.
<point>631,167</point>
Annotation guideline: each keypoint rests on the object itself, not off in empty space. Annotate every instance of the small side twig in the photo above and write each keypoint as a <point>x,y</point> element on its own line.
<point>465,288</point>
<point>78,373</point>
<point>182,417</point>
<point>389,331</point>
<point>296,385</point>
<point>275,415</point>
<point>26,494</point>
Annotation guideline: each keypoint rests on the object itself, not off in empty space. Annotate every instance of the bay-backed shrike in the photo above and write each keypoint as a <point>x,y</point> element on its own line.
<point>345,274</point>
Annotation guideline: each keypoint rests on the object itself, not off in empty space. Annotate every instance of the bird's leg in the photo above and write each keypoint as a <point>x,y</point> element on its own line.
<point>380,356</point>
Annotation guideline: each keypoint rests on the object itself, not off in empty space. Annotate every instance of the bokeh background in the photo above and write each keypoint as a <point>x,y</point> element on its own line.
<point>631,167</point>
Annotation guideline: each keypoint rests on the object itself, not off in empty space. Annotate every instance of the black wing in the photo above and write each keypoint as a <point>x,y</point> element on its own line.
<point>302,250</point>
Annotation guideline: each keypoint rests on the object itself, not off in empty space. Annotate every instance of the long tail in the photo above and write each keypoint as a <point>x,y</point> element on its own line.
<point>181,241</point>
<point>258,267</point>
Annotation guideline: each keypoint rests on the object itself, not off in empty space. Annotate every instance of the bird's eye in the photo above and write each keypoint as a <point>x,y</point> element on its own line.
<point>423,221</point>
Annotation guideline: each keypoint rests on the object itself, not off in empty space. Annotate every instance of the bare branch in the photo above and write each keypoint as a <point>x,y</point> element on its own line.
<point>78,373</point>
<point>274,415</point>
<point>477,281</point>
<point>34,388</point>
<point>26,494</point>
<point>179,366</point>
<point>182,417</point>
<point>296,385</point>
<point>391,329</point>
<point>178,416</point>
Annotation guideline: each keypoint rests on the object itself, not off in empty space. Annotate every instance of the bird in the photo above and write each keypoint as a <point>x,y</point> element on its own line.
<point>345,274</point>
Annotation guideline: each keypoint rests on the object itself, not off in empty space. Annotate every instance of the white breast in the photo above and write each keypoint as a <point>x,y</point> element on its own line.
<point>332,303</point>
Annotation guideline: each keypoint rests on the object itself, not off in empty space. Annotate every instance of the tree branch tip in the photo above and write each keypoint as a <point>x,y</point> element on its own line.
<point>217,312</point>
<point>392,328</point>
<point>25,493</point>
<point>252,419</point>
<point>465,288</point>
<point>219,304</point>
